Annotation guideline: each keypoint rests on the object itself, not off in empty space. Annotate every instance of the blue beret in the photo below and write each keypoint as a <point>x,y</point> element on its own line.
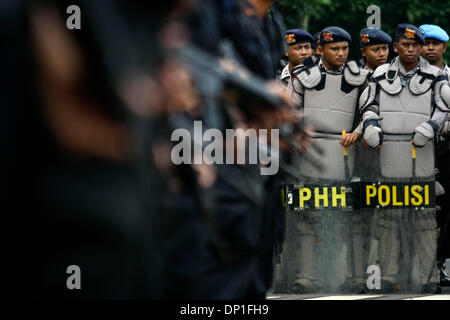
<point>434,32</point>
<point>409,32</point>
<point>371,37</point>
<point>333,34</point>
<point>296,36</point>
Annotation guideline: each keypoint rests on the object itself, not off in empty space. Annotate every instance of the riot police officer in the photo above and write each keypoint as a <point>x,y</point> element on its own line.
<point>435,45</point>
<point>406,100</point>
<point>328,93</point>
<point>299,42</point>
<point>374,46</point>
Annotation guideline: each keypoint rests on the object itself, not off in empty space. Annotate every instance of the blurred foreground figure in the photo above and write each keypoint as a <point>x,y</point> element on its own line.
<point>245,205</point>
<point>101,192</point>
<point>17,149</point>
<point>99,180</point>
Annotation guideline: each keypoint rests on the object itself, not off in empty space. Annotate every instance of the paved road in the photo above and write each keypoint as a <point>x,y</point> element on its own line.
<point>445,295</point>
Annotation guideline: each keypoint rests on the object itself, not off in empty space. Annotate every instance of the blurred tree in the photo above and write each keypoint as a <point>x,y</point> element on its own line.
<point>314,15</point>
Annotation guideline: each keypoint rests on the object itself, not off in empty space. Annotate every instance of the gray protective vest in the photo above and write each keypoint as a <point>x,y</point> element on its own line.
<point>403,107</point>
<point>330,105</point>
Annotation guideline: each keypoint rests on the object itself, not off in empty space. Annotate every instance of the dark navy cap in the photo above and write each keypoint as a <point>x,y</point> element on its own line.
<point>333,34</point>
<point>410,32</point>
<point>296,36</point>
<point>316,39</point>
<point>371,37</point>
<point>432,31</point>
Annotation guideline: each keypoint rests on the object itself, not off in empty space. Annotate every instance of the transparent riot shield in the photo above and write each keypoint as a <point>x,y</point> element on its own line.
<point>371,229</point>
<point>398,194</point>
<point>323,249</point>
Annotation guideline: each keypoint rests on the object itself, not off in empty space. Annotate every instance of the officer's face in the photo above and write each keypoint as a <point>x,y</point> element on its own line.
<point>298,52</point>
<point>408,50</point>
<point>433,50</point>
<point>375,55</point>
<point>335,54</point>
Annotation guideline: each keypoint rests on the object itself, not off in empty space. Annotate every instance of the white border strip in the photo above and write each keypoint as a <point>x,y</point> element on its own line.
<point>360,297</point>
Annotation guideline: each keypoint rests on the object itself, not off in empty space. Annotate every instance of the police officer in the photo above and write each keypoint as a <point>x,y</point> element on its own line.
<point>299,42</point>
<point>435,46</point>
<point>315,44</point>
<point>327,93</point>
<point>401,107</point>
<point>374,46</point>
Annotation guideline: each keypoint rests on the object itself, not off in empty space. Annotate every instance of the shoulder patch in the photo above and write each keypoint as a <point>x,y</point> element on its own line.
<point>420,83</point>
<point>442,97</point>
<point>445,94</point>
<point>364,97</point>
<point>427,68</point>
<point>354,75</point>
<point>309,77</point>
<point>380,70</point>
<point>353,67</point>
<point>389,80</point>
<point>391,87</point>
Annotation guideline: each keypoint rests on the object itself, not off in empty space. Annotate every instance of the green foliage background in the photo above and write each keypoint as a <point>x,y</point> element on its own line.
<point>314,15</point>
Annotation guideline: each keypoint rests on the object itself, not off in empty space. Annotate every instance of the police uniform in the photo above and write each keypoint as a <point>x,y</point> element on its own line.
<point>258,42</point>
<point>293,37</point>
<point>368,159</point>
<point>371,37</point>
<point>403,105</point>
<point>443,154</point>
<point>329,99</point>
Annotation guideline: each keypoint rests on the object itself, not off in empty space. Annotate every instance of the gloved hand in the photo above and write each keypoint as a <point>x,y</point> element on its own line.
<point>422,134</point>
<point>373,136</point>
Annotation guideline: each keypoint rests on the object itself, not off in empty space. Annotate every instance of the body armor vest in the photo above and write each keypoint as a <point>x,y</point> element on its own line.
<point>405,102</point>
<point>330,105</point>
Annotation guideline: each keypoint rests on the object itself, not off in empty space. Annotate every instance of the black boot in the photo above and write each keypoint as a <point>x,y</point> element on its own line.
<point>302,286</point>
<point>432,288</point>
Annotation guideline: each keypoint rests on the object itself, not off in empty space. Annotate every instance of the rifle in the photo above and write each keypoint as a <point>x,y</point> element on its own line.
<point>215,76</point>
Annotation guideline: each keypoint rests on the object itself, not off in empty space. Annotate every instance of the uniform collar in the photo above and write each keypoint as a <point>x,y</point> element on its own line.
<point>285,73</point>
<point>367,68</point>
<point>322,66</point>
<point>402,70</point>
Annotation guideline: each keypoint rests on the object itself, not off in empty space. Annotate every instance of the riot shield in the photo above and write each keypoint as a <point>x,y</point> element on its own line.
<point>400,199</point>
<point>320,254</point>
<point>366,224</point>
